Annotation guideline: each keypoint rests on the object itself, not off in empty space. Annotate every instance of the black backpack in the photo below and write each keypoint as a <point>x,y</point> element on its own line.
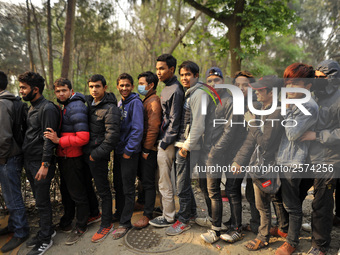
<point>20,110</point>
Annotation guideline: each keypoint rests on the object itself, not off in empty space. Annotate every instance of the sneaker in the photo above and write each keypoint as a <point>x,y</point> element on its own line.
<point>210,236</point>
<point>65,229</point>
<point>307,227</point>
<point>232,236</point>
<point>275,231</point>
<point>94,219</point>
<point>203,222</point>
<point>34,240</point>
<point>192,219</point>
<point>285,249</point>
<point>75,236</point>
<point>101,234</point>
<point>142,223</point>
<point>13,243</point>
<point>40,248</point>
<point>225,227</point>
<point>177,228</point>
<point>160,222</point>
<point>316,251</point>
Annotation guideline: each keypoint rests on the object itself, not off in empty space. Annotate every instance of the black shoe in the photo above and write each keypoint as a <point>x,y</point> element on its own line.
<point>40,248</point>
<point>34,240</point>
<point>5,231</point>
<point>13,243</point>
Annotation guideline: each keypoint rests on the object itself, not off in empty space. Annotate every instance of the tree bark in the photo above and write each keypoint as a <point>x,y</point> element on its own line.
<point>28,37</point>
<point>49,43</point>
<point>68,38</point>
<point>37,30</point>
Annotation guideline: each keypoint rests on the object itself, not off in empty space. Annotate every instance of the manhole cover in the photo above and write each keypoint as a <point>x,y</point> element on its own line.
<point>154,240</point>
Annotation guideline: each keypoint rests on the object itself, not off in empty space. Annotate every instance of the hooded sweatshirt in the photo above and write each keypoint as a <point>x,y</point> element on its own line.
<point>8,146</point>
<point>131,128</point>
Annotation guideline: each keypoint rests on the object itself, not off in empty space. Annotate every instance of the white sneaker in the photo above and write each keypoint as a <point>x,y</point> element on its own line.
<point>210,236</point>
<point>203,222</point>
<point>307,227</point>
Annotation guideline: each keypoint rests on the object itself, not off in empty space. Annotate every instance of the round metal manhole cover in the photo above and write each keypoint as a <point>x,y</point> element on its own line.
<point>154,240</point>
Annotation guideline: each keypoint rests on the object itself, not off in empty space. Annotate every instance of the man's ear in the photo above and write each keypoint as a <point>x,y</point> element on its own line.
<point>172,69</point>
<point>151,85</point>
<point>197,75</point>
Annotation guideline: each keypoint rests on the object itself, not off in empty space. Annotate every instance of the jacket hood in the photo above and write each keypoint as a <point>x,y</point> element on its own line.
<point>77,96</point>
<point>7,95</point>
<point>108,98</point>
<point>132,96</point>
<point>332,69</point>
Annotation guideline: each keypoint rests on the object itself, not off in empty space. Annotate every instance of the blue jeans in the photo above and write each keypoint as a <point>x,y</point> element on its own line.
<point>187,203</point>
<point>41,192</point>
<point>10,179</point>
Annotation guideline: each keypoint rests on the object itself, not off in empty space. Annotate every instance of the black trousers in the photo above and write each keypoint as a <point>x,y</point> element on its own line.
<point>124,176</point>
<point>41,192</point>
<point>148,170</point>
<point>99,170</point>
<point>77,191</point>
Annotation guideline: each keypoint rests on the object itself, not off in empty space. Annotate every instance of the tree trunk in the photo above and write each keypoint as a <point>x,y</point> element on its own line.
<point>68,38</point>
<point>28,37</point>
<point>49,43</point>
<point>37,29</point>
<point>234,37</point>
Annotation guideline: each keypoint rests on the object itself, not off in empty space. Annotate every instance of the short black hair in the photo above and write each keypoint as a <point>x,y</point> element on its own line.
<point>244,73</point>
<point>33,79</point>
<point>3,80</point>
<point>97,77</point>
<point>124,76</point>
<point>150,77</point>
<point>169,59</point>
<point>192,66</point>
<point>62,82</point>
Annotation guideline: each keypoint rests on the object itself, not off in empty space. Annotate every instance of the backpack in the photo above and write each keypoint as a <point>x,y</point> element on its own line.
<point>20,110</point>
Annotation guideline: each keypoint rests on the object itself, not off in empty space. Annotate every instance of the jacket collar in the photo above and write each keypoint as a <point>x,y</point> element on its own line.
<point>38,101</point>
<point>171,81</point>
<point>149,94</point>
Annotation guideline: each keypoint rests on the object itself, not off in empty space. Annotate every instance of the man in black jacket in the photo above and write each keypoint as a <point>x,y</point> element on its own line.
<point>104,124</point>
<point>39,157</point>
<point>172,97</point>
<point>10,170</point>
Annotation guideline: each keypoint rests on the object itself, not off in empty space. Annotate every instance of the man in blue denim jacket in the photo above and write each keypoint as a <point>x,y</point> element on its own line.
<point>293,152</point>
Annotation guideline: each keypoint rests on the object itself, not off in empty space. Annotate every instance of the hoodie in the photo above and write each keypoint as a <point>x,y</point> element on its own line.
<point>131,127</point>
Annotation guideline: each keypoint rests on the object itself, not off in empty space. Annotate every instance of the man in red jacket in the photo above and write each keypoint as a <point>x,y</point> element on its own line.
<point>76,182</point>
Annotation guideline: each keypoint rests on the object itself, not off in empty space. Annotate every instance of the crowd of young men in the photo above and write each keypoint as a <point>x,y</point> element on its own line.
<point>157,135</point>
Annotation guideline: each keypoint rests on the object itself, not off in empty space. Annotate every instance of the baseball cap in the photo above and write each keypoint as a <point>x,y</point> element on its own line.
<point>268,81</point>
<point>214,71</point>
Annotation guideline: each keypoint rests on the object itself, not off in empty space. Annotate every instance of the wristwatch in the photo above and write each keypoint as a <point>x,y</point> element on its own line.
<point>317,135</point>
<point>45,164</point>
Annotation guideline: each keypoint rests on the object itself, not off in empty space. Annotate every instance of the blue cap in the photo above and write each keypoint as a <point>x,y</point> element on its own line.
<point>214,71</point>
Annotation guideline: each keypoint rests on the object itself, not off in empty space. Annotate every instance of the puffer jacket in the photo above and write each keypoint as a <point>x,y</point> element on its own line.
<point>326,150</point>
<point>131,127</point>
<point>104,125</point>
<point>172,97</point>
<point>75,129</point>
<point>8,146</point>
<point>152,121</point>
<point>35,146</point>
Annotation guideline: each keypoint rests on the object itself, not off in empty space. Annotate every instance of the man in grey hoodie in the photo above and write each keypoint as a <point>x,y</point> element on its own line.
<point>325,153</point>
<point>11,162</point>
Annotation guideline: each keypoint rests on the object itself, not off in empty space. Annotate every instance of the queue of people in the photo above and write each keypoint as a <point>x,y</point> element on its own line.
<point>177,131</point>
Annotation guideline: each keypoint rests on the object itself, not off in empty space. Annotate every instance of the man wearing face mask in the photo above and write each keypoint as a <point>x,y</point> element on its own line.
<point>39,160</point>
<point>325,150</point>
<point>76,181</point>
<point>148,159</point>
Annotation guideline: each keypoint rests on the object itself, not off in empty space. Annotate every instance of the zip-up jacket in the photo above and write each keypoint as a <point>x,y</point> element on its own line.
<point>8,146</point>
<point>36,146</point>
<point>75,128</point>
<point>172,104</point>
<point>104,125</point>
<point>152,121</point>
